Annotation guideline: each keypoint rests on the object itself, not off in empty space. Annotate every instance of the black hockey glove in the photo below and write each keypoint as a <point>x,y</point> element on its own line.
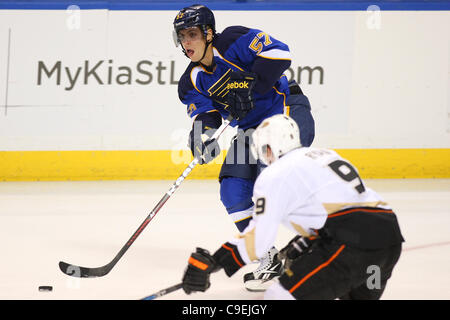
<point>203,148</point>
<point>296,247</point>
<point>240,96</point>
<point>196,276</point>
<point>228,258</point>
<point>203,128</point>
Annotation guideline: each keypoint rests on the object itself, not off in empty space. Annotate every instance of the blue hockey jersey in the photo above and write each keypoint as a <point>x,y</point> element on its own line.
<point>240,48</point>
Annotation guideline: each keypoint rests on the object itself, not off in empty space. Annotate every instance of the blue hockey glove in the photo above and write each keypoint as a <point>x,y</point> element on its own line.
<point>240,98</point>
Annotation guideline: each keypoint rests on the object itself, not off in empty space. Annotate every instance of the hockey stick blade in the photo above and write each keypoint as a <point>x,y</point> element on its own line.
<point>82,272</point>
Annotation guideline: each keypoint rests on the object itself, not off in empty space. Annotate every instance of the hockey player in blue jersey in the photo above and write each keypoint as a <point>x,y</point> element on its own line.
<point>238,72</point>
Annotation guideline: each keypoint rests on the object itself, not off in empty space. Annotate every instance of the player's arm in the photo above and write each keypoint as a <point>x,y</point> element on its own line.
<point>275,196</point>
<point>257,239</point>
<point>206,121</point>
<point>271,198</point>
<point>271,59</point>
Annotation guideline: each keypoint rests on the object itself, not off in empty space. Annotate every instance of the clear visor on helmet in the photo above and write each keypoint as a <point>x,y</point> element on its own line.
<point>175,38</point>
<point>188,34</point>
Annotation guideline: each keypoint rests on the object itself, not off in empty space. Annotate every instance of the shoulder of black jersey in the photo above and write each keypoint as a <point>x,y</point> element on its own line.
<point>229,36</point>
<point>185,84</point>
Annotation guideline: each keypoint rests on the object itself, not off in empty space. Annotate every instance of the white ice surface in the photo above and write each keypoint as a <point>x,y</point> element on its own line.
<point>86,223</point>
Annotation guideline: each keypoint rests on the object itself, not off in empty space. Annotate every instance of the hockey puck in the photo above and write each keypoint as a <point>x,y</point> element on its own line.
<point>45,288</point>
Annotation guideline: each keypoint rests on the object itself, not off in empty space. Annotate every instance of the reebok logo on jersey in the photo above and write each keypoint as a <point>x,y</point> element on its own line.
<point>237,85</point>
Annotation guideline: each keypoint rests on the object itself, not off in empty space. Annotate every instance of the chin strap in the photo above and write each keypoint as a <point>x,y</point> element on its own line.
<point>213,64</point>
<point>204,51</point>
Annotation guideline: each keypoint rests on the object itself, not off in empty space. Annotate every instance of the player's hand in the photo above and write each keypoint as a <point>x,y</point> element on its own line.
<point>196,276</point>
<point>202,148</point>
<point>296,247</point>
<point>240,98</point>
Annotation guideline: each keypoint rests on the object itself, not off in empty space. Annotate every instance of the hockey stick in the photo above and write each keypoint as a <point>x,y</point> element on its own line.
<point>163,292</point>
<point>83,272</point>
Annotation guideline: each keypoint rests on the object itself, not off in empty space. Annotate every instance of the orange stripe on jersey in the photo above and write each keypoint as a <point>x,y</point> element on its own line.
<point>323,265</point>
<point>234,256</point>
<point>337,214</point>
<point>198,264</point>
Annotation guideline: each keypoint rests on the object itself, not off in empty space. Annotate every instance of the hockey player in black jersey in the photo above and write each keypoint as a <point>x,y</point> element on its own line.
<point>348,238</point>
<point>239,71</point>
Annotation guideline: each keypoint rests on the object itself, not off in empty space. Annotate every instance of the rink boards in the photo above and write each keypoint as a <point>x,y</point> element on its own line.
<point>92,94</point>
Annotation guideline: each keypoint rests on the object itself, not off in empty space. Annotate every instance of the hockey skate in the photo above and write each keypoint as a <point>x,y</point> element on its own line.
<point>270,268</point>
